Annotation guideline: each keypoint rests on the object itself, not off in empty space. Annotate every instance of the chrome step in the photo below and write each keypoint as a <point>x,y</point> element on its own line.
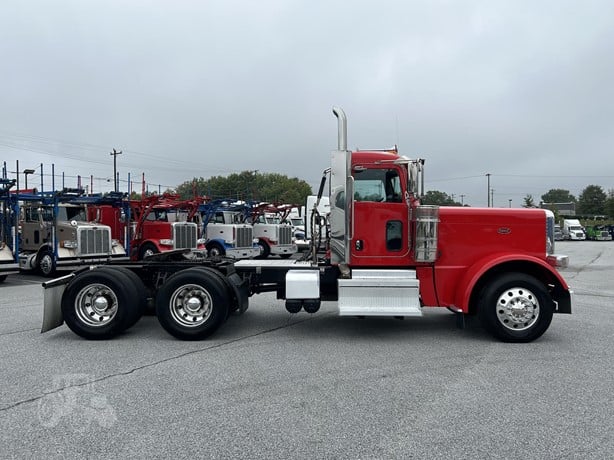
<point>380,293</point>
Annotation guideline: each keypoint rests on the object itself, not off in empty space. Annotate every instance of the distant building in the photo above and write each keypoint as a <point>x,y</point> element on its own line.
<point>563,209</point>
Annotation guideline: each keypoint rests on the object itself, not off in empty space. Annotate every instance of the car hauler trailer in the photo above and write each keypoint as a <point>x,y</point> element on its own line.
<point>387,255</point>
<point>8,261</point>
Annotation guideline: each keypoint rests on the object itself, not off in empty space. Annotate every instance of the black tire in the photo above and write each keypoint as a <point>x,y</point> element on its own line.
<point>138,292</point>
<point>515,307</point>
<point>113,313</point>
<point>208,309</point>
<point>265,249</point>
<point>3,278</point>
<point>45,262</point>
<point>147,249</point>
<point>215,250</point>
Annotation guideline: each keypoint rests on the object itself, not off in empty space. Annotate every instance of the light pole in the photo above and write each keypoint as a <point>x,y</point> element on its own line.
<point>488,192</point>
<point>510,200</point>
<point>26,172</point>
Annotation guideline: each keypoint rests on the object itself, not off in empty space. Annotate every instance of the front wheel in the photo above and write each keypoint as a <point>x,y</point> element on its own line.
<point>265,249</point>
<point>516,307</point>
<point>147,250</point>
<point>216,250</point>
<point>46,263</point>
<point>192,304</point>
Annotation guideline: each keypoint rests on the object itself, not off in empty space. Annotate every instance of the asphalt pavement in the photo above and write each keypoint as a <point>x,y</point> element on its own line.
<point>273,385</point>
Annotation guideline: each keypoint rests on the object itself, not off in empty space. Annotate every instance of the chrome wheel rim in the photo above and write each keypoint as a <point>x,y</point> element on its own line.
<point>96,305</point>
<point>191,305</point>
<point>46,264</point>
<point>215,252</point>
<point>517,309</point>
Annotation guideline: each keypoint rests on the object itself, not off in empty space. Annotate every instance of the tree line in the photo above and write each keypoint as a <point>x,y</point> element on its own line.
<point>248,186</point>
<point>592,201</point>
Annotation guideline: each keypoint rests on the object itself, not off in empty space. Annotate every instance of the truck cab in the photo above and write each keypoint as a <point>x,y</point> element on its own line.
<point>226,233</point>
<point>573,230</point>
<point>273,231</point>
<point>58,235</point>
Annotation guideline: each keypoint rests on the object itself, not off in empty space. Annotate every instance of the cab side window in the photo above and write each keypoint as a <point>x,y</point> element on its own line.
<point>377,185</point>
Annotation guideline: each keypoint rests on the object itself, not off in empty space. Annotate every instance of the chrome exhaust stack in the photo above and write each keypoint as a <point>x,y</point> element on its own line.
<point>342,127</point>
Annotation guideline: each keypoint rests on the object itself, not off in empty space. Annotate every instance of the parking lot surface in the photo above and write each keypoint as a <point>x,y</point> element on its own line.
<point>273,385</point>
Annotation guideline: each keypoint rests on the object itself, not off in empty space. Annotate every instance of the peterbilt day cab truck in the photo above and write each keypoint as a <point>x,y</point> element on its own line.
<point>164,223</point>
<point>273,233</point>
<point>387,255</point>
<point>226,232</point>
<point>55,233</point>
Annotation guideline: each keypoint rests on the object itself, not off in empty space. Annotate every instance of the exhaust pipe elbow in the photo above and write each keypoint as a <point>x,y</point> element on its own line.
<point>342,136</point>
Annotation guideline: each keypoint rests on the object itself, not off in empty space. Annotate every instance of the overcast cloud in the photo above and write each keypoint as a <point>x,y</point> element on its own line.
<point>518,89</point>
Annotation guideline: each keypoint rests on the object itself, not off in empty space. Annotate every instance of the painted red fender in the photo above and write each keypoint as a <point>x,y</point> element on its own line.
<point>478,269</point>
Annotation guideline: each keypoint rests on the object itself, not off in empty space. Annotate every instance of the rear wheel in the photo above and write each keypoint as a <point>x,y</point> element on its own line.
<point>99,304</point>
<point>516,307</point>
<point>192,304</point>
<point>138,291</point>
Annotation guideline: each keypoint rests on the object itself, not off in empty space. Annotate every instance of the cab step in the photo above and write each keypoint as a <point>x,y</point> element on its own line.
<point>380,293</point>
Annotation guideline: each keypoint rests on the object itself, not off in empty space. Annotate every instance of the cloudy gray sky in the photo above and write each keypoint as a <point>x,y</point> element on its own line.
<point>519,89</point>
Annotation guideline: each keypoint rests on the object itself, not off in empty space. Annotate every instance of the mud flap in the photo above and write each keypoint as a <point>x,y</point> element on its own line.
<point>52,302</point>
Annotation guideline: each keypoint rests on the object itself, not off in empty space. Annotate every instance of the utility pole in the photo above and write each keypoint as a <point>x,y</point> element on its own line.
<point>492,197</point>
<point>488,192</point>
<point>462,199</point>
<point>115,153</point>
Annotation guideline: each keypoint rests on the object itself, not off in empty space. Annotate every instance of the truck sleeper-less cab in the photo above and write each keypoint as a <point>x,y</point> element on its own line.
<point>389,256</point>
<point>60,236</point>
<point>164,223</point>
<point>274,236</point>
<point>226,233</point>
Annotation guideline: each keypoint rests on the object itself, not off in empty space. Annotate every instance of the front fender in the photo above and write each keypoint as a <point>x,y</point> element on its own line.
<point>515,262</point>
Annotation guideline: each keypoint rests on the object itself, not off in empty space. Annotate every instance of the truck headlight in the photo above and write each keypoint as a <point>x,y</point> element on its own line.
<point>114,243</point>
<point>201,241</point>
<point>69,244</point>
<point>166,242</point>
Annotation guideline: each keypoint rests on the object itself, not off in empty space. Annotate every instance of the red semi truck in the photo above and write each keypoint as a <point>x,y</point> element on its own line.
<point>154,224</point>
<point>387,255</point>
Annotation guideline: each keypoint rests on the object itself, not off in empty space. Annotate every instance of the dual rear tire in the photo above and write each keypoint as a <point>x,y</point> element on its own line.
<point>103,302</point>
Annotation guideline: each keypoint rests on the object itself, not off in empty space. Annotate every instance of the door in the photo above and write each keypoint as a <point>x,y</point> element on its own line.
<point>381,216</point>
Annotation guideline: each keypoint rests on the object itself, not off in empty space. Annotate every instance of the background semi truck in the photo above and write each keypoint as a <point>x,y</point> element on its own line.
<point>573,230</point>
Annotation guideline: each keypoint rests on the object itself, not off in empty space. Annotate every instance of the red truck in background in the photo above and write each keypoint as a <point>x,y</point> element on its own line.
<point>154,224</point>
<point>386,255</point>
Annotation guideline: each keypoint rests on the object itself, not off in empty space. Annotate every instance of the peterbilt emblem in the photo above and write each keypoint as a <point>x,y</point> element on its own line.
<point>504,230</point>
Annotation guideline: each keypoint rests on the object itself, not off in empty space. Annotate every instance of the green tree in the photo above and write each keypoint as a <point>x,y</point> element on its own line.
<point>249,185</point>
<point>591,201</point>
<point>558,195</point>
<point>435,197</point>
<point>529,202</point>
